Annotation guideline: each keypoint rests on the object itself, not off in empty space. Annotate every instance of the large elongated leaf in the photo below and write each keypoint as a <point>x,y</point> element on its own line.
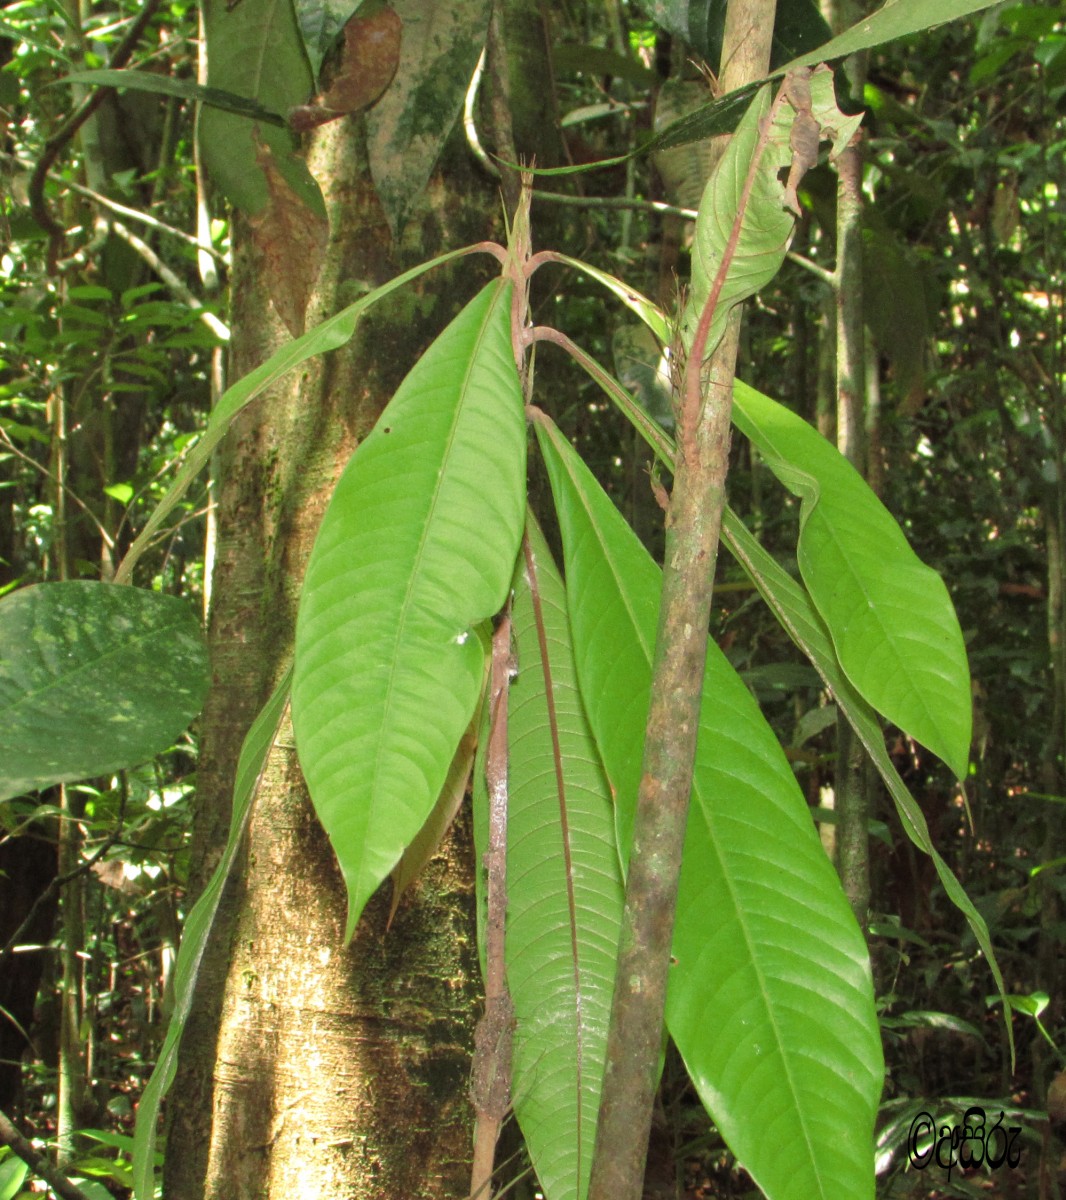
<point>256,52</point>
<point>409,125</point>
<point>795,610</point>
<point>894,19</point>
<point>197,929</point>
<point>770,1000</point>
<point>93,678</point>
<point>417,547</point>
<point>560,963</point>
<point>890,617</point>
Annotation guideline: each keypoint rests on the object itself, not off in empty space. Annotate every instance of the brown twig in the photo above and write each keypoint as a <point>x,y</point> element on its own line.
<point>56,1180</point>
<point>490,1083</point>
<point>693,525</point>
<point>65,133</point>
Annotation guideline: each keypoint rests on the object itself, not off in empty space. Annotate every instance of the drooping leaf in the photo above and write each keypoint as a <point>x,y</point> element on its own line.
<point>409,125</point>
<point>717,117</point>
<point>416,548</point>
<point>770,999</point>
<point>797,614</point>
<point>763,142</point>
<point>255,50</point>
<point>181,89</point>
<point>292,240</point>
<point>890,616</point>
<point>329,335</point>
<point>254,750</point>
<point>599,60</point>
<point>560,960</point>
<point>93,678</point>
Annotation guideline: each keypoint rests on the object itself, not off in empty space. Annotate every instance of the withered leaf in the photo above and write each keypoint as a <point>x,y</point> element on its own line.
<point>369,54</point>
<point>291,236</point>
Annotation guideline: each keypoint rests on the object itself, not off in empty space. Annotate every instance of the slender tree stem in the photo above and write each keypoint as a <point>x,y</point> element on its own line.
<point>490,1086</point>
<point>693,525</point>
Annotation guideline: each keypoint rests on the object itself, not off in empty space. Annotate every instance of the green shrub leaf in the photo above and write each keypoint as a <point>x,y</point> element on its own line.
<point>793,607</point>
<point>562,1007</point>
<point>93,678</point>
<point>890,616</point>
<point>417,547</point>
<point>770,999</point>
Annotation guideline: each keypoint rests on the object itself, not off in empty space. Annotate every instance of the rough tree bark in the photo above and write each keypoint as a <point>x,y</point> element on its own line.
<point>311,1069</point>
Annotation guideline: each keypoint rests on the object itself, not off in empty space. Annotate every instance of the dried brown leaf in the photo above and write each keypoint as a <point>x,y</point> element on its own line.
<point>291,236</point>
<point>368,58</point>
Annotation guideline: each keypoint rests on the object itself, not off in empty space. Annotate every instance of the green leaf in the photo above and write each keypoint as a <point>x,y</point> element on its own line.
<point>718,117</point>
<point>329,335</point>
<point>797,614</point>
<point>122,492</point>
<point>794,609</point>
<point>254,750</point>
<point>255,51</point>
<point>181,89</point>
<point>747,182</point>
<point>798,27</point>
<point>598,60</point>
<point>560,974</point>
<point>890,617</point>
<point>408,126</point>
<point>13,1172</point>
<point>894,19</point>
<point>416,548</point>
<point>635,301</point>
<point>770,999</point>
<point>93,678</point>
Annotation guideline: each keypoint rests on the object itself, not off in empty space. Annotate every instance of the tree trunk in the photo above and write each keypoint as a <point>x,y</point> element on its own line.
<point>309,1068</point>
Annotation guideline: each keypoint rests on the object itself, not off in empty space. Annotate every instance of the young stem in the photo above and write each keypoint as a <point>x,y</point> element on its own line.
<point>490,1086</point>
<point>692,531</point>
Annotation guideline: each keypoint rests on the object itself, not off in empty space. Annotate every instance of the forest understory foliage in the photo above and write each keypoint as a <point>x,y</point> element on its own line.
<point>765,845</point>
